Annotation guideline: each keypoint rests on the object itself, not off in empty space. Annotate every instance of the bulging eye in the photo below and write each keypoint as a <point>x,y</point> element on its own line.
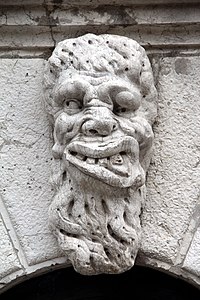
<point>128,100</point>
<point>72,106</point>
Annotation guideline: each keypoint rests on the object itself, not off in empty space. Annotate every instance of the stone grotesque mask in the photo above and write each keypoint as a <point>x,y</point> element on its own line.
<point>100,93</point>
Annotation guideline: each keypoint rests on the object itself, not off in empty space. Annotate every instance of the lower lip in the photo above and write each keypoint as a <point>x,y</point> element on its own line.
<point>122,180</point>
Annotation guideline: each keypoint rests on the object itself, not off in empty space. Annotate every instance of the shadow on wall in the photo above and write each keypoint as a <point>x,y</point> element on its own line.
<point>138,283</point>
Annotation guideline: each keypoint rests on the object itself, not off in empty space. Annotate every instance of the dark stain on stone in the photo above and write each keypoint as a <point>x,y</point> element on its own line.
<point>119,14</point>
<point>75,11</point>
<point>46,54</point>
<point>48,21</point>
<point>182,66</point>
<point>58,1</point>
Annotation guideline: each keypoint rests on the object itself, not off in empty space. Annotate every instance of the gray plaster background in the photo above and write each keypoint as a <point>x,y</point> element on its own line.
<point>170,218</point>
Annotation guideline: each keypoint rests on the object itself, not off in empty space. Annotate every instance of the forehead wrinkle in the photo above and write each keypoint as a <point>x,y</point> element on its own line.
<point>98,81</point>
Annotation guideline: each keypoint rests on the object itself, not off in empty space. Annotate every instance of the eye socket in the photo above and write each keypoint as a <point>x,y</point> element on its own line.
<point>72,106</point>
<point>120,109</point>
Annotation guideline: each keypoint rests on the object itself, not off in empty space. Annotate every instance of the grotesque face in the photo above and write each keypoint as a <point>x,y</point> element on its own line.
<point>100,92</point>
<point>95,127</point>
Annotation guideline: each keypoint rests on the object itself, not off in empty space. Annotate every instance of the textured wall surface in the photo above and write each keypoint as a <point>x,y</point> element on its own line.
<point>171,215</point>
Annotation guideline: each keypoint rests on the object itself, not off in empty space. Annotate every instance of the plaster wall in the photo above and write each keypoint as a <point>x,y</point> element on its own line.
<point>170,217</point>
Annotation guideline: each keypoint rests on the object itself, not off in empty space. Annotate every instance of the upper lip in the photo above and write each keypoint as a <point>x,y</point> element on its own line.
<point>116,162</point>
<point>105,149</point>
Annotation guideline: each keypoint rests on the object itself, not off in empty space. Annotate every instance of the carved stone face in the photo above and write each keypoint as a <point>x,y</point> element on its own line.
<point>91,127</point>
<point>103,138</point>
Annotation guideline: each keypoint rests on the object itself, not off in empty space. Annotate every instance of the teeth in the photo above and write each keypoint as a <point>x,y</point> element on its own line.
<point>116,159</point>
<point>103,162</point>
<point>90,161</point>
<point>80,156</point>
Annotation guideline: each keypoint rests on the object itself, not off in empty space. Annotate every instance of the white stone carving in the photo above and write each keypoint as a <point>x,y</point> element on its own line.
<point>100,93</point>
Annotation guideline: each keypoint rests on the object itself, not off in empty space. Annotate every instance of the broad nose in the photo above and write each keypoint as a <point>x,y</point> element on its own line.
<point>101,122</point>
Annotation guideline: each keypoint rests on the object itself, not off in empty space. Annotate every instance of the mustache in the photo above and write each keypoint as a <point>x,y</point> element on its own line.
<point>139,129</point>
<point>136,127</point>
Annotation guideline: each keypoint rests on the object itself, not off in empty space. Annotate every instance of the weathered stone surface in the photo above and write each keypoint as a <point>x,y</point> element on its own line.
<point>33,30</point>
<point>94,2</point>
<point>99,15</point>
<point>9,261</point>
<point>173,177</point>
<point>100,93</point>
<point>25,156</point>
<point>170,34</point>
<point>192,260</point>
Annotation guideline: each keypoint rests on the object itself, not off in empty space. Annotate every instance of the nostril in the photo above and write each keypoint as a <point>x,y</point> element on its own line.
<point>93,131</point>
<point>99,126</point>
<point>114,127</point>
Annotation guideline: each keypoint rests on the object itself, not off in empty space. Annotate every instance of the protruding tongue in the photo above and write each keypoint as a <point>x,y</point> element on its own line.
<point>116,159</point>
<point>118,163</point>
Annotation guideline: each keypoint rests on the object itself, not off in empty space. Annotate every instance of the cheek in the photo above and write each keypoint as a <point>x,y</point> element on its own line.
<point>64,124</point>
<point>126,126</point>
<point>63,133</point>
<point>143,133</point>
<point>137,128</point>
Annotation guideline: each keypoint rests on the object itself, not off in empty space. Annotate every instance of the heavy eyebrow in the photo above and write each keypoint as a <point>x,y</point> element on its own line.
<point>73,88</point>
<point>115,87</point>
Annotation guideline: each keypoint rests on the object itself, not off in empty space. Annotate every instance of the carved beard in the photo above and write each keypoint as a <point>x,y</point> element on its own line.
<point>97,225</point>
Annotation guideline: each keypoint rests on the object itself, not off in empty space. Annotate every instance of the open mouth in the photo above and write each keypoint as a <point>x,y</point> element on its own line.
<point>115,162</point>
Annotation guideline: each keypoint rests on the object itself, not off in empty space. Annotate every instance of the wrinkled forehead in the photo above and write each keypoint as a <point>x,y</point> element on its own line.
<point>89,85</point>
<point>103,56</point>
<point>100,54</point>
<point>93,78</point>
